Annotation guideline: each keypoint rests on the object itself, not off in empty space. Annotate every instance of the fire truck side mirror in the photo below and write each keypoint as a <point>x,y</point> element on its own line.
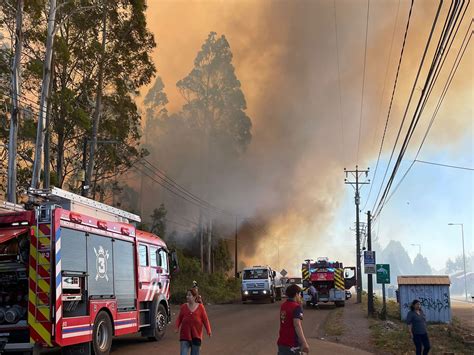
<point>274,273</point>
<point>174,262</point>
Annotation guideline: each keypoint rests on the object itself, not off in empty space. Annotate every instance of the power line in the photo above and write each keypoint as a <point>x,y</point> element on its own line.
<point>169,181</point>
<point>444,165</point>
<point>436,66</point>
<point>448,84</point>
<point>363,80</point>
<point>393,91</point>
<point>160,182</point>
<point>341,116</point>
<point>405,114</point>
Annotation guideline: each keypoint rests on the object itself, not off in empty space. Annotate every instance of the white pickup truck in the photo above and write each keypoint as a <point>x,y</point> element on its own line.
<point>261,282</point>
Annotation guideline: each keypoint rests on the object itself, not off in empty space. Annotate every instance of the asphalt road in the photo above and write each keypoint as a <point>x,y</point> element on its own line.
<point>238,329</point>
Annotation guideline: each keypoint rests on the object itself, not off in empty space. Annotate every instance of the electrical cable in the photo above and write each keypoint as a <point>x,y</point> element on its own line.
<point>363,80</point>
<point>448,84</point>
<point>341,116</point>
<point>393,91</point>
<point>409,102</point>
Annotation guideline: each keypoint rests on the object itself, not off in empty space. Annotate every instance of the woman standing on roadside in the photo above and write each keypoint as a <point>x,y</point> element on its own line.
<point>192,316</point>
<point>416,321</point>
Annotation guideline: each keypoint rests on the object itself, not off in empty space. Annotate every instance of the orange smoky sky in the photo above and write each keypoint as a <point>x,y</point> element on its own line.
<point>303,86</point>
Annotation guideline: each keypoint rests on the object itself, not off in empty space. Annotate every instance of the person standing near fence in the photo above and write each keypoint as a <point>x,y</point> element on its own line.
<point>416,321</point>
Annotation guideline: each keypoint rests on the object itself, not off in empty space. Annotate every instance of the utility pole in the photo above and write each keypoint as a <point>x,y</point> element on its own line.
<point>370,285</point>
<point>209,245</point>
<point>16,93</point>
<point>235,249</point>
<point>35,181</point>
<point>357,174</point>
<point>201,239</point>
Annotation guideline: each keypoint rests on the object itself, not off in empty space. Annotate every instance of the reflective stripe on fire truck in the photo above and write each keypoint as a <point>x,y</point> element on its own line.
<point>59,284</point>
<point>339,279</point>
<point>305,274</point>
<point>38,304</point>
<point>155,289</point>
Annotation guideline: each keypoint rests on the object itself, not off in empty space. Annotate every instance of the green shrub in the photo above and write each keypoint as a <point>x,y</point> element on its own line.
<point>214,288</point>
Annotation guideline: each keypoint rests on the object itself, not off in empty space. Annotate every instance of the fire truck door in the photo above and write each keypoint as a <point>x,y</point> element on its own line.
<point>144,276</point>
<point>349,277</point>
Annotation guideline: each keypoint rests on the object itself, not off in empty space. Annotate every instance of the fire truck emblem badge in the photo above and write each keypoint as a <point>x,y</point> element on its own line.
<point>102,256</point>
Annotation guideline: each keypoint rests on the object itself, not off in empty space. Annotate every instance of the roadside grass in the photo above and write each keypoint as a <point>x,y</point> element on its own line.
<point>334,325</point>
<point>392,336</point>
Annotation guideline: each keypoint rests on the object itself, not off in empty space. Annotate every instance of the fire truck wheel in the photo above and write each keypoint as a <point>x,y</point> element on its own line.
<point>159,320</point>
<point>102,334</point>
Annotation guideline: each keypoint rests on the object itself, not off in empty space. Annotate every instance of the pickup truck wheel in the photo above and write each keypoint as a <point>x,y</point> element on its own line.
<point>102,334</point>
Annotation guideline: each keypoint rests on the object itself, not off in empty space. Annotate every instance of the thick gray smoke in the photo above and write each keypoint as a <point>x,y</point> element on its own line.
<point>291,177</point>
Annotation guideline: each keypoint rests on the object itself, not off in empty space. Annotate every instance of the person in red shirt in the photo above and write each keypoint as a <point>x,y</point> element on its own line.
<point>192,316</point>
<point>292,340</point>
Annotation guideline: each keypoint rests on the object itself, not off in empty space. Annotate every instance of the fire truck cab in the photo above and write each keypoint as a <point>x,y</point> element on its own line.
<point>75,272</point>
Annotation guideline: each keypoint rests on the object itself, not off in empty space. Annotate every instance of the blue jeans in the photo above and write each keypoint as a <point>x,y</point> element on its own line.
<point>186,346</point>
<point>421,341</point>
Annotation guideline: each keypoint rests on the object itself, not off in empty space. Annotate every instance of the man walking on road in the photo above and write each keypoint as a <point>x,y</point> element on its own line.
<point>292,340</point>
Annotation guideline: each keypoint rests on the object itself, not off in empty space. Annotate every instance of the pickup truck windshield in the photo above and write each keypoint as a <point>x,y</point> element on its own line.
<point>255,274</point>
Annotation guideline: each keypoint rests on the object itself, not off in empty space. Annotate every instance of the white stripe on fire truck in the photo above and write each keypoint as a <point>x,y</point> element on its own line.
<point>59,292</point>
<point>126,326</point>
<point>153,290</point>
<point>77,334</point>
<point>78,326</point>
<point>59,313</point>
<point>148,293</point>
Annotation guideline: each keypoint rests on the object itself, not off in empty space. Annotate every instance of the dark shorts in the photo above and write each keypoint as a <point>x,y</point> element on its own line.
<point>286,350</point>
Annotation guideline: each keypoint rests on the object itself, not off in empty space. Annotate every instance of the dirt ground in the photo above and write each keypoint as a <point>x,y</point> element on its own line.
<point>464,311</point>
<point>356,328</point>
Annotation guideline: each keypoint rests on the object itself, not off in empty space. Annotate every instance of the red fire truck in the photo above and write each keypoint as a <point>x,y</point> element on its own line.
<point>75,272</point>
<point>330,279</point>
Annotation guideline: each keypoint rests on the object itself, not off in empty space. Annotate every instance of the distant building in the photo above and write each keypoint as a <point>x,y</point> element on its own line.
<point>431,291</point>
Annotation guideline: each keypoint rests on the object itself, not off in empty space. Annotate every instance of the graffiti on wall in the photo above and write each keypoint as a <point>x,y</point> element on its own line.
<point>430,303</point>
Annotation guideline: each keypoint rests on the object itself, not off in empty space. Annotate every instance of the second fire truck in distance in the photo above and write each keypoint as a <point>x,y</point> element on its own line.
<point>329,278</point>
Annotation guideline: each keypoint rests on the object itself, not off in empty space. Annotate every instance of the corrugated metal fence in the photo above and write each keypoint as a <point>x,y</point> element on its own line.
<point>435,301</point>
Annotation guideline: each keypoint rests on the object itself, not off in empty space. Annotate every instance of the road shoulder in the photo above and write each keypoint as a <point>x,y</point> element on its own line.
<point>354,327</point>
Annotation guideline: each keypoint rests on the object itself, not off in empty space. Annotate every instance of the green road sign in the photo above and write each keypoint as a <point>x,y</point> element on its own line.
<point>383,273</point>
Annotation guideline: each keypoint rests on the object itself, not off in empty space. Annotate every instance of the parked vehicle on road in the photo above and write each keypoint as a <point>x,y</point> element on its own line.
<point>75,272</point>
<point>292,280</point>
<point>261,282</point>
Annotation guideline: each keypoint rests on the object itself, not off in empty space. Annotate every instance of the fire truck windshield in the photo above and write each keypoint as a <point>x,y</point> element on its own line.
<point>255,274</point>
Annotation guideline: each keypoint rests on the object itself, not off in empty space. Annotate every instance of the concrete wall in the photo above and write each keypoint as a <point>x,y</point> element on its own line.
<point>434,299</point>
